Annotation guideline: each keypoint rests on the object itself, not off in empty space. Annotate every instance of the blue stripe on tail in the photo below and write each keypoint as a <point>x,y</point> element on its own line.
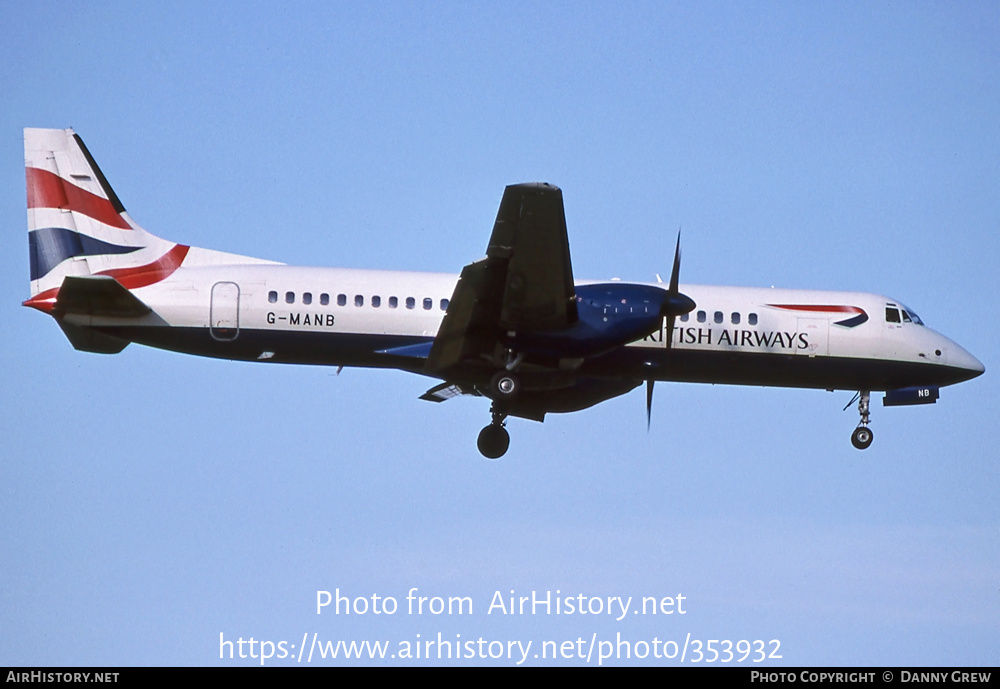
<point>50,246</point>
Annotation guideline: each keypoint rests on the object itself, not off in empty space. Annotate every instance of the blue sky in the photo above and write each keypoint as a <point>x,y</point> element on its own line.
<point>151,501</point>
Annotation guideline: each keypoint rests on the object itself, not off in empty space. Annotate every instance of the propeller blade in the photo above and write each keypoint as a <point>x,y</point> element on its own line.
<point>675,272</point>
<point>649,403</point>
<point>675,304</point>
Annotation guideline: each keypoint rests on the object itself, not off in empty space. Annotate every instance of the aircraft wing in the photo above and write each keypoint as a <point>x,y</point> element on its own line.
<point>524,284</point>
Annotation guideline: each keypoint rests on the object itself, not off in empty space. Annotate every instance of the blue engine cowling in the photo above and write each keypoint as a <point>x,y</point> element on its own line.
<point>610,315</point>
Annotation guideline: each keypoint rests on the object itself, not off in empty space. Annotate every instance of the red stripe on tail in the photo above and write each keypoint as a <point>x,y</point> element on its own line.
<point>130,278</point>
<point>141,276</point>
<point>48,190</point>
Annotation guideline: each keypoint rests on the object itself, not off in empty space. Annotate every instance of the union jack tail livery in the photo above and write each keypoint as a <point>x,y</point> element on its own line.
<point>77,226</point>
<point>86,252</point>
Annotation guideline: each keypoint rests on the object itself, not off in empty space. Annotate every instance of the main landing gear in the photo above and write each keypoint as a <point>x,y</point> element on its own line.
<point>505,386</point>
<point>494,439</point>
<point>862,436</point>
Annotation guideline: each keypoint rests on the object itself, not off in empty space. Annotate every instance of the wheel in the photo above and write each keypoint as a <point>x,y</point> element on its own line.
<point>505,386</point>
<point>862,437</point>
<point>493,441</point>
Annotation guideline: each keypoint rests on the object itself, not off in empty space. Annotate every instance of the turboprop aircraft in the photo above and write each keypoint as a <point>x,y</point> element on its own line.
<point>514,327</point>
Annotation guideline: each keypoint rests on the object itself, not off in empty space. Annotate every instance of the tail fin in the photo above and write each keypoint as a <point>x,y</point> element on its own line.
<point>77,225</point>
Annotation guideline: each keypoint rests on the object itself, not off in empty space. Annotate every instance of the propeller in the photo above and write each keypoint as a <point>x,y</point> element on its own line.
<point>675,304</point>
<point>649,403</point>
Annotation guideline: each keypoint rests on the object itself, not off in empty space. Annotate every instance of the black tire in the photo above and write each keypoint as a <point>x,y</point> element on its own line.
<point>505,386</point>
<point>862,437</point>
<point>493,441</point>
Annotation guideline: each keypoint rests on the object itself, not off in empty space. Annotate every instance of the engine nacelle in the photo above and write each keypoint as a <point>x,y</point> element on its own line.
<point>609,315</point>
<point>583,393</point>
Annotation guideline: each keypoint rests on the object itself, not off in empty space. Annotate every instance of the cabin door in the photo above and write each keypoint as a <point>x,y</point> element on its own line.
<point>225,311</point>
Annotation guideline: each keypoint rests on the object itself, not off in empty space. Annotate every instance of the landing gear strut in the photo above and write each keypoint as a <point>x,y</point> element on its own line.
<point>494,439</point>
<point>862,436</point>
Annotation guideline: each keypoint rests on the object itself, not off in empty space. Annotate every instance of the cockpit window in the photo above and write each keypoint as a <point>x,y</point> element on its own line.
<point>898,313</point>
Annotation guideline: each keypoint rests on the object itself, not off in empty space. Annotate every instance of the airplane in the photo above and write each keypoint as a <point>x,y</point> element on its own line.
<point>514,327</point>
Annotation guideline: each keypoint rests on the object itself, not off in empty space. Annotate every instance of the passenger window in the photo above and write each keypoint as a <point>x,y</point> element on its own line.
<point>324,299</point>
<point>307,298</point>
<point>735,318</point>
<point>718,317</point>
<point>752,319</point>
<point>341,300</point>
<point>289,297</point>
<point>272,297</point>
<point>376,302</point>
<point>891,315</point>
<point>444,304</point>
<point>428,303</point>
<point>359,300</point>
<point>410,302</point>
<point>685,317</point>
<point>393,302</point>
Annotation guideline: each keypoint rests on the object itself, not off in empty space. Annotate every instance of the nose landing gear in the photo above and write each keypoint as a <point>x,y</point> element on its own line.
<point>862,436</point>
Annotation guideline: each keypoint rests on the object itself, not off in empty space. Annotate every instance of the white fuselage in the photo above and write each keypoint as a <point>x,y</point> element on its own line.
<point>330,305</point>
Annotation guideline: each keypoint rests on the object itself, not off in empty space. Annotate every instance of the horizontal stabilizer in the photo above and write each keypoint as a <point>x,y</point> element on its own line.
<point>98,295</point>
<point>90,340</point>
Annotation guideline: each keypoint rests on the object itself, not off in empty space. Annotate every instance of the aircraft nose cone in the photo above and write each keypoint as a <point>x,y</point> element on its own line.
<point>977,367</point>
<point>966,361</point>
